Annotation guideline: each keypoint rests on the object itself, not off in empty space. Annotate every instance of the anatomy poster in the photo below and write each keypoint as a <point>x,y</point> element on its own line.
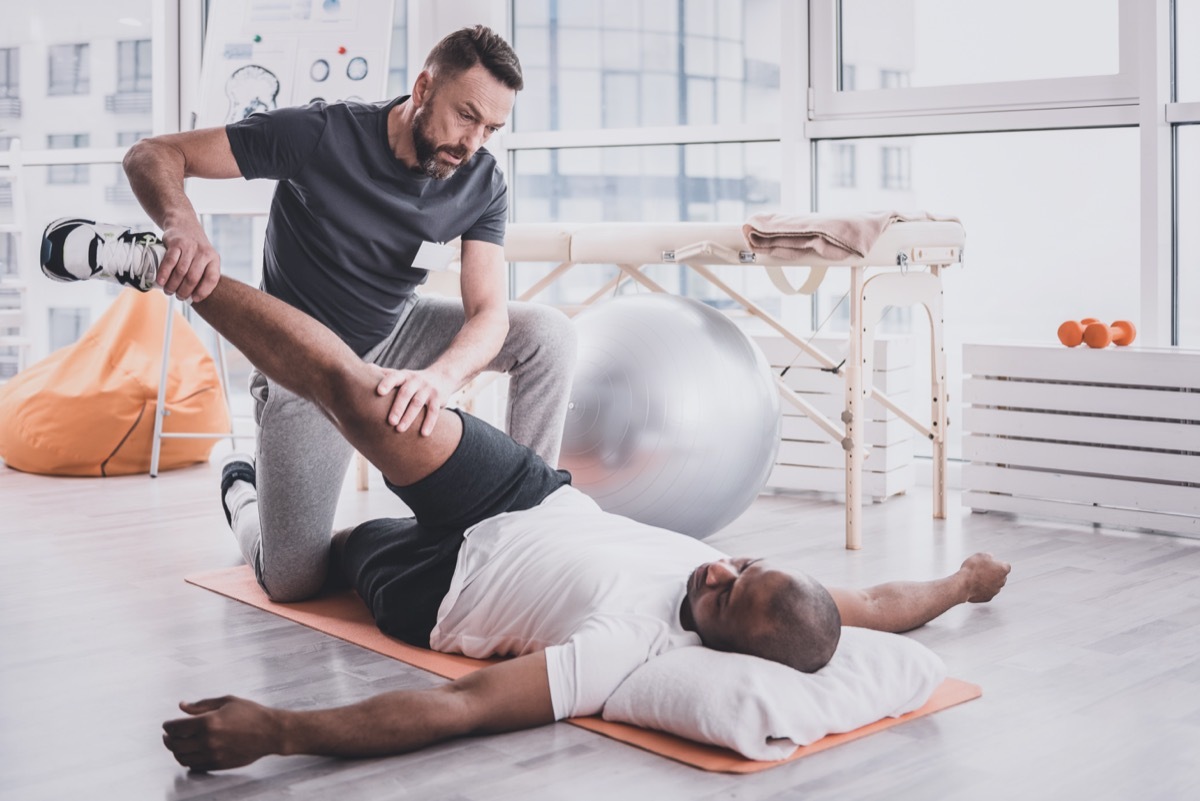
<point>265,54</point>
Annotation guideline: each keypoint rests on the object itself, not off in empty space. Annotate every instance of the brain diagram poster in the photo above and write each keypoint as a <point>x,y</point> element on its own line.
<point>265,54</point>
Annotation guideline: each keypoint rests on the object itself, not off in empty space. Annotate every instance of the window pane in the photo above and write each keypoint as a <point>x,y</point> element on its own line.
<point>947,42</point>
<point>1187,54</point>
<point>662,183</point>
<point>75,67</point>
<point>1052,234</point>
<point>1189,237</point>
<point>67,173</point>
<point>10,73</point>
<point>67,325</point>
<point>398,83</point>
<point>70,69</point>
<point>614,63</point>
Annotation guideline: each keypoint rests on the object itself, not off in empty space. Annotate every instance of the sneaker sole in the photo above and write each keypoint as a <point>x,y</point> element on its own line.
<point>48,249</point>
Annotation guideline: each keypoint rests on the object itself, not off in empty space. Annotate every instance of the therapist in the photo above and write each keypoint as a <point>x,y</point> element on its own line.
<point>367,196</point>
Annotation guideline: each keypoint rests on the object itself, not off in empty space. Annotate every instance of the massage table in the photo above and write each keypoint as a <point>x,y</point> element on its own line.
<point>900,252</point>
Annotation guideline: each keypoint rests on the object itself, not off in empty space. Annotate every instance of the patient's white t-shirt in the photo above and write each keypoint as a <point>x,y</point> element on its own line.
<point>600,593</point>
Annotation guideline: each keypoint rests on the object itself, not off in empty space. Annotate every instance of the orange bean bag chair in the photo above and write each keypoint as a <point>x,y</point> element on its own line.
<point>88,409</point>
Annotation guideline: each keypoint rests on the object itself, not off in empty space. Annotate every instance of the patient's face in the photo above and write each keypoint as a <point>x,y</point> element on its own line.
<point>729,601</point>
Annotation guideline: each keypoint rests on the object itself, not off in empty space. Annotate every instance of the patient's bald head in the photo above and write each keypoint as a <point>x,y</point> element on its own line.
<point>744,605</point>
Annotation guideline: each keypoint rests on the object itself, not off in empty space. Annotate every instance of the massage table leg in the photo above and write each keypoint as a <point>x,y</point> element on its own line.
<point>908,289</point>
<point>853,415</point>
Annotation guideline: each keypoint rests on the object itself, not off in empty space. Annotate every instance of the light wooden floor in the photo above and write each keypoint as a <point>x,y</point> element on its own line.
<point>1089,660</point>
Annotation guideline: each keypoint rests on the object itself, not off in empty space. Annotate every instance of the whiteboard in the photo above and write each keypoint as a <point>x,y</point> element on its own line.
<point>265,54</point>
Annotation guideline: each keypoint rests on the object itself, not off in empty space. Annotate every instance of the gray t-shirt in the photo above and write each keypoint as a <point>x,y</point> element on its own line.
<point>348,217</point>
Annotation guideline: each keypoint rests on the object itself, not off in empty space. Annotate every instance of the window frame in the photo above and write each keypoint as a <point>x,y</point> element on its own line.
<point>829,103</point>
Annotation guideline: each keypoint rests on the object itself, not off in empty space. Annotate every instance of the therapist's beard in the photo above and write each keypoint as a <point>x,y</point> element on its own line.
<point>426,150</point>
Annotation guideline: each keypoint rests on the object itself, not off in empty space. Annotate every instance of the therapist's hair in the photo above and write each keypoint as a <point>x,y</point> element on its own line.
<point>466,47</point>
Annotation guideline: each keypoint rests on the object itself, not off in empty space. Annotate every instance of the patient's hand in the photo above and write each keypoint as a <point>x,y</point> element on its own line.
<point>985,576</point>
<point>223,733</point>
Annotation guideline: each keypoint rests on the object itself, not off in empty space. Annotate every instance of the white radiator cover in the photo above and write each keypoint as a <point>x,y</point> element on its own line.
<point>1110,437</point>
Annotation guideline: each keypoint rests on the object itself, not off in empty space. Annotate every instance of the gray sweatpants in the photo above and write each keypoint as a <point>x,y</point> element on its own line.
<point>284,529</point>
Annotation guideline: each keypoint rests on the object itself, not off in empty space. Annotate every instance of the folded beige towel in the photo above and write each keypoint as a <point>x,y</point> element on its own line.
<point>795,237</point>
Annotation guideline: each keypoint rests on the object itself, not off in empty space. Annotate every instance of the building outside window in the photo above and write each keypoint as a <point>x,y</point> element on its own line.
<point>67,173</point>
<point>133,66</point>
<point>849,78</point>
<point>893,79</point>
<point>897,168</point>
<point>10,75</point>
<point>70,71</point>
<point>8,254</point>
<point>398,83</point>
<point>67,325</point>
<point>844,164</point>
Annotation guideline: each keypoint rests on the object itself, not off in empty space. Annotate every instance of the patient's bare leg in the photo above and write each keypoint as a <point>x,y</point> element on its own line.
<point>904,605</point>
<point>296,351</point>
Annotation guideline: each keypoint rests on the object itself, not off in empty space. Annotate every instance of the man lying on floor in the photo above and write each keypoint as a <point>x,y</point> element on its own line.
<point>501,558</point>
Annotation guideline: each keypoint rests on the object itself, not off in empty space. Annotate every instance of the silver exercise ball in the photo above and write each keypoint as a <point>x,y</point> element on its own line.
<point>674,416</point>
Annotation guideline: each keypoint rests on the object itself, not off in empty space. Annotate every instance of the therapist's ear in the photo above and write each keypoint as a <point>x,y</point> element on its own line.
<point>421,85</point>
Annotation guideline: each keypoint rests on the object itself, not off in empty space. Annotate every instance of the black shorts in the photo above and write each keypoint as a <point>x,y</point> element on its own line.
<point>401,567</point>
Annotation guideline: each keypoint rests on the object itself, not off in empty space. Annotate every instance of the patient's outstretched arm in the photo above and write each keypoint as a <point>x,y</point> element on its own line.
<point>905,605</point>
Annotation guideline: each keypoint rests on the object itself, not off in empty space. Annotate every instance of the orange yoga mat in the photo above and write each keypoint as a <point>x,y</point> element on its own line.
<point>345,616</point>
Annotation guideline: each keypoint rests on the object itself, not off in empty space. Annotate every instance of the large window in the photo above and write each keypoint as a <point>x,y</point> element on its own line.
<point>1052,233</point>
<point>659,183</point>
<point>946,42</point>
<point>70,70</point>
<point>941,56</point>
<point>76,56</point>
<point>621,63</point>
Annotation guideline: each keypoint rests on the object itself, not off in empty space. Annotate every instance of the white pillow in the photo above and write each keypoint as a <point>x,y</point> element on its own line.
<point>765,710</point>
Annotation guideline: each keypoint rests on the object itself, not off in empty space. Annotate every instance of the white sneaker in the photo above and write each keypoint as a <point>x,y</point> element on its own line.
<point>75,249</point>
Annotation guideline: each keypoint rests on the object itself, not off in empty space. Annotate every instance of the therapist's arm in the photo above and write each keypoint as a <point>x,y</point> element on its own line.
<point>485,306</point>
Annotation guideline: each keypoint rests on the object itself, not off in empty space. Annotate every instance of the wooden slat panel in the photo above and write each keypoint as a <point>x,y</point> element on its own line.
<point>1133,366</point>
<point>1173,467</point>
<point>877,432</point>
<point>810,379</point>
<point>1083,513</point>
<point>1128,401</point>
<point>891,351</point>
<point>817,479</point>
<point>1072,428</point>
<point>1111,492</point>
<point>831,454</point>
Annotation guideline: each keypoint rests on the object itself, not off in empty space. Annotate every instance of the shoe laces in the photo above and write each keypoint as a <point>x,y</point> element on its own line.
<point>135,255</point>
